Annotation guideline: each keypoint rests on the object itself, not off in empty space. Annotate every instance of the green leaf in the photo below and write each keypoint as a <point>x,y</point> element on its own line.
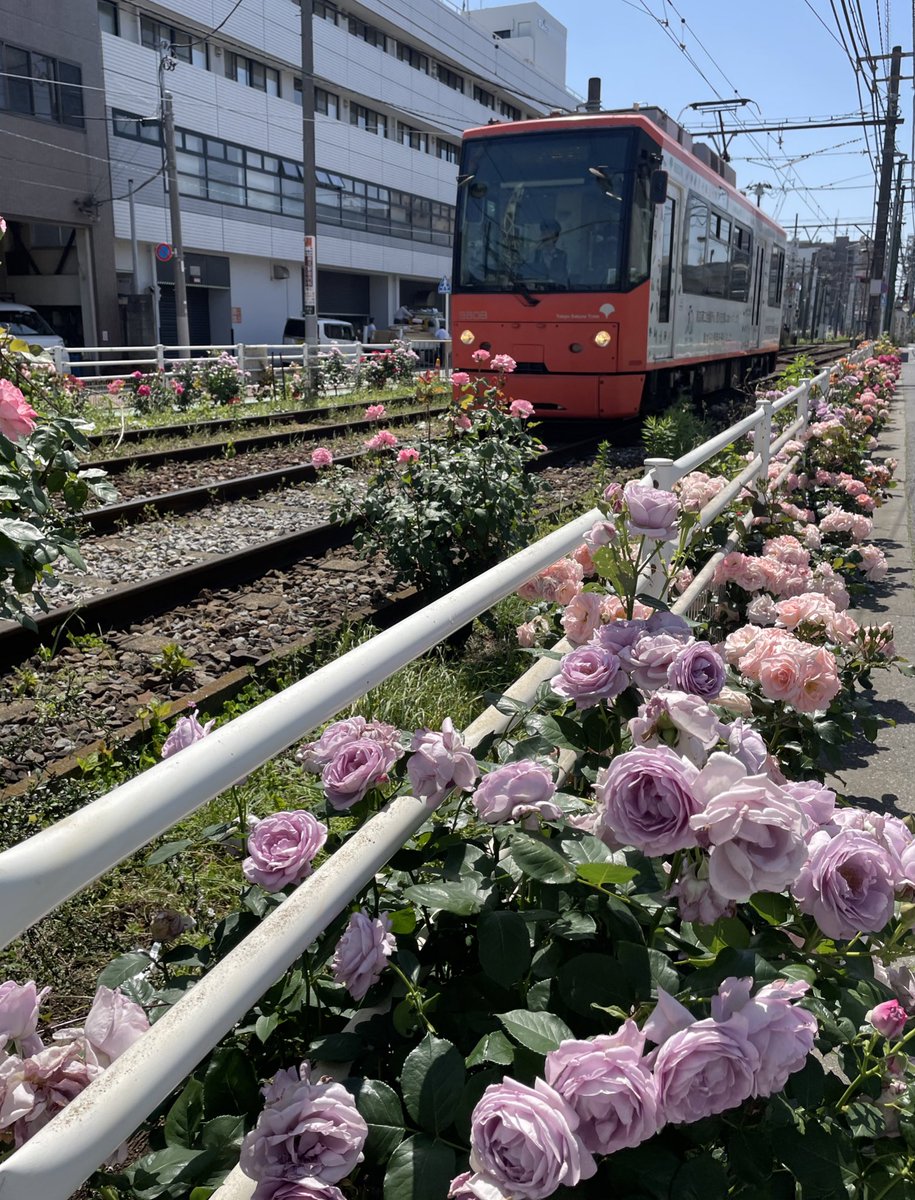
<point>185,1116</point>
<point>700,1178</point>
<point>561,732</point>
<point>403,921</point>
<point>432,1080</point>
<point>265,1025</point>
<point>492,1047</point>
<point>230,1085</point>
<point>814,1158</point>
<point>421,1168</point>
<point>461,897</point>
<point>603,873</point>
<point>539,860</point>
<point>382,1111</point>
<point>169,850</point>
<point>124,968</point>
<point>504,946</point>
<point>223,1131</point>
<point>202,1193</point>
<point>337,1047</point>
<point>538,1031</point>
<point>593,979</point>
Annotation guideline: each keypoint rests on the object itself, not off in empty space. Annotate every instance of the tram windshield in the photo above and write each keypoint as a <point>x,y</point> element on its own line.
<point>544,212</point>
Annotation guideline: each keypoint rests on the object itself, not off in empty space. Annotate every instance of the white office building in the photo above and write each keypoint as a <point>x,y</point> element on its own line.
<point>395,87</point>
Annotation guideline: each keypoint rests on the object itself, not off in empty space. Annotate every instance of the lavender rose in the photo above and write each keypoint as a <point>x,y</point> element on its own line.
<point>650,658</point>
<point>608,1085</point>
<point>306,1130</point>
<point>847,884</point>
<point>698,669</point>
<point>362,952</point>
<point>314,756</point>
<point>696,899</point>
<point>652,513</point>
<point>113,1024</point>
<point>515,791</point>
<point>646,800</point>
<point>356,767</point>
<point>817,802</point>
<point>19,1004</point>
<point>187,731</point>
<point>675,718</point>
<point>281,849</point>
<point>705,1069</point>
<point>440,763</point>
<point>525,1140</point>
<point>756,830</point>
<point>468,1186</point>
<point>747,746</point>
<point>588,675</point>
<point>781,1033</point>
<point>308,1188</point>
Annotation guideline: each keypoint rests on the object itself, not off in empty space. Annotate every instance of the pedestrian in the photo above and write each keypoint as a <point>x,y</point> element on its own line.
<point>403,315</point>
<point>442,334</point>
<point>368,332</point>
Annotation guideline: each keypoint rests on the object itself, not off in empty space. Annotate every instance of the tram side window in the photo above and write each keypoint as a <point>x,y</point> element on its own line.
<point>717,254</point>
<point>695,239</point>
<point>640,232</point>
<point>741,257</point>
<point>667,257</point>
<point>776,277</point>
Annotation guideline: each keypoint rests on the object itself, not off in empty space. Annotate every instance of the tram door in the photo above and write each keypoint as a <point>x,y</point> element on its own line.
<point>670,271</point>
<point>757,293</point>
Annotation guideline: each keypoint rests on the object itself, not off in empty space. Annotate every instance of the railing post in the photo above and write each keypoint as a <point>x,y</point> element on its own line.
<point>57,354</point>
<point>762,437</point>
<point>664,475</point>
<point>803,403</point>
<point>240,355</point>
<point>160,358</point>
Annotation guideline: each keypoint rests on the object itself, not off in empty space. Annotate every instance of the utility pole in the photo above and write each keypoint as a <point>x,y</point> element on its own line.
<point>894,249</point>
<point>174,208</point>
<point>309,206</point>
<point>878,260</point>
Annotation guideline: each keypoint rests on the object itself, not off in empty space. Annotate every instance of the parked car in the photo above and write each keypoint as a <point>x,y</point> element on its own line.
<point>23,322</point>
<point>330,332</point>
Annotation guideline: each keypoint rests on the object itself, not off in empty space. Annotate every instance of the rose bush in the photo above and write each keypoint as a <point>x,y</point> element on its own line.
<point>640,947</point>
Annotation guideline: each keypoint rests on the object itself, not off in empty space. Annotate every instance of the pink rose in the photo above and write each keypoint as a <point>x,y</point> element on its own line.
<point>375,412</point>
<point>407,455</point>
<point>321,457</point>
<point>115,386</point>
<point>17,417</point>
<point>521,408</point>
<point>460,378</point>
<point>480,356</point>
<point>581,617</point>
<point>889,1019</point>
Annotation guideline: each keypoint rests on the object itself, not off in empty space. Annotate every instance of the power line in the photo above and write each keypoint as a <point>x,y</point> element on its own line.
<point>206,37</point>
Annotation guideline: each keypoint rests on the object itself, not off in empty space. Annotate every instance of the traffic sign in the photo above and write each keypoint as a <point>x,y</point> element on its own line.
<point>444,286</point>
<point>164,252</point>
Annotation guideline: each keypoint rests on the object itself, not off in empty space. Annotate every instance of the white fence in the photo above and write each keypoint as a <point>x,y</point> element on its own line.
<point>101,364</point>
<point>40,873</point>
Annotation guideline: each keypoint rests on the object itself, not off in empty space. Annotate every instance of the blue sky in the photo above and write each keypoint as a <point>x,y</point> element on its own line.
<point>774,52</point>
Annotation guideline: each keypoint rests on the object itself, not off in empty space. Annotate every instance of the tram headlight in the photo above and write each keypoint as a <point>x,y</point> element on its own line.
<point>467,337</point>
<point>602,338</point>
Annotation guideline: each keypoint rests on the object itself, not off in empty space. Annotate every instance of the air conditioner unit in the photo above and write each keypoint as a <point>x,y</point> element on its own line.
<point>280,272</point>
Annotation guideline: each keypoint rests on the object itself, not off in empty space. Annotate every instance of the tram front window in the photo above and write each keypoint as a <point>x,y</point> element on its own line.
<point>544,212</point>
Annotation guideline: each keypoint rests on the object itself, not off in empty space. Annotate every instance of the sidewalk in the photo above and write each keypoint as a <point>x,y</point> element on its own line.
<point>881,775</point>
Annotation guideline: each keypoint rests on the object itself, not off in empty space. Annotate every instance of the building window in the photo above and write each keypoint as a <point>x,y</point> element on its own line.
<point>368,33</point>
<point>36,85</point>
<point>108,17</point>
<point>416,139</point>
<point>413,57</point>
<point>326,10</point>
<point>186,47</point>
<point>251,73</point>
<point>482,96</point>
<point>125,125</point>
<point>509,111</point>
<point>449,78</point>
<point>502,33</point>
<point>211,169</point>
<point>368,119</point>
<point>447,150</point>
<point>327,103</point>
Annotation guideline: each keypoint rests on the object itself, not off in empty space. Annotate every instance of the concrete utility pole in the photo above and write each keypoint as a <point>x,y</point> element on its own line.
<point>174,208</point>
<point>310,253</point>
<point>895,239</point>
<point>878,260</point>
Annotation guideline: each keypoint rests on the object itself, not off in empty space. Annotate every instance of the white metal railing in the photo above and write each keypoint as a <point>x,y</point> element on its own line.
<point>101,364</point>
<point>40,873</point>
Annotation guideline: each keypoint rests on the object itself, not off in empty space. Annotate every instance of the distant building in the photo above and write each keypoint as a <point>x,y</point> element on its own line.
<point>58,252</point>
<point>395,89</point>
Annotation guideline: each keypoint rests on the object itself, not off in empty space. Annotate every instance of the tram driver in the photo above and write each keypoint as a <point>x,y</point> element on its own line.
<point>549,262</point>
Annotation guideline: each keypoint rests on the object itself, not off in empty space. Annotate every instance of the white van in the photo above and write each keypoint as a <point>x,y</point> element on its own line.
<point>23,322</point>
<point>330,332</point>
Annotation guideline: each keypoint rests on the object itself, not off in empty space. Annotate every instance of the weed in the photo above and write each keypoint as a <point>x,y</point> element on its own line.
<point>674,433</point>
<point>173,664</point>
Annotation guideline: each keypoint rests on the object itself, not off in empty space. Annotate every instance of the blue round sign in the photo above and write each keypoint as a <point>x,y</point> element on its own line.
<point>164,252</point>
